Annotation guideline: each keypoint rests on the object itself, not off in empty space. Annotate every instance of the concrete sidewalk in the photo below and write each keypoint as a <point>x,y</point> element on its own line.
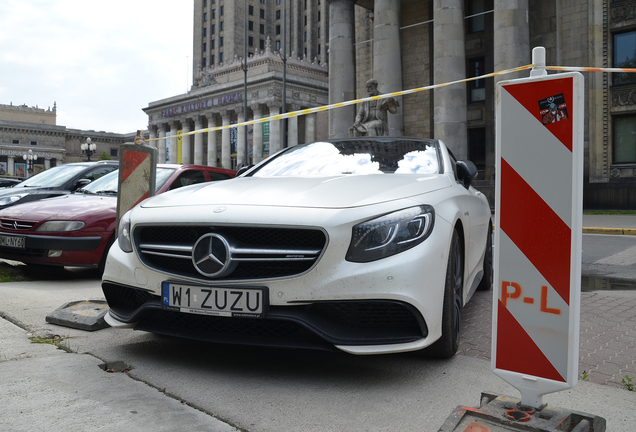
<point>609,224</point>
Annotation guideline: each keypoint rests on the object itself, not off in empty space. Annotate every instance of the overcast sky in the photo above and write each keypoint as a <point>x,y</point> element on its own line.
<point>102,61</point>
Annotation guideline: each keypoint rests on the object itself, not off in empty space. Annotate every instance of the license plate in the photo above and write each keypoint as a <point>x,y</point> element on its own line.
<point>228,302</point>
<point>12,242</point>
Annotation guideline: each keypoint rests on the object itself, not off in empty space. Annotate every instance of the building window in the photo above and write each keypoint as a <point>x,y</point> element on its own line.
<point>277,45</point>
<point>250,10</point>
<point>263,1</point>
<point>205,3</point>
<point>221,42</point>
<point>250,25</point>
<point>624,57</point>
<point>305,19</point>
<point>212,44</point>
<point>114,152</point>
<point>477,147</point>
<point>318,16</point>
<point>34,143</point>
<point>221,57</point>
<point>262,13</point>
<point>205,31</point>
<point>250,41</point>
<point>213,13</point>
<point>476,19</point>
<point>277,2</point>
<point>213,29</point>
<point>278,14</point>
<point>278,29</point>
<point>305,36</point>
<point>476,89</point>
<point>261,44</point>
<point>212,60</point>
<point>222,10</point>
<point>221,26</point>
<point>262,28</point>
<point>624,137</point>
<point>205,17</point>
<point>205,47</point>
<point>204,63</point>
<point>15,141</point>
<point>318,49</point>
<point>319,32</point>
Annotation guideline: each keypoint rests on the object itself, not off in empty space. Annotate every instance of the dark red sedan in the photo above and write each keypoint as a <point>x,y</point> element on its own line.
<point>78,229</point>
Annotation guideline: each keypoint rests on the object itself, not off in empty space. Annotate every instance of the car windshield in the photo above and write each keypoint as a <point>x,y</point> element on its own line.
<point>389,156</point>
<point>109,183</point>
<point>53,177</point>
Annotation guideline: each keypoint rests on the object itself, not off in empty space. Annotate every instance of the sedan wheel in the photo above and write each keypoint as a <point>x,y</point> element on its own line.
<point>447,345</point>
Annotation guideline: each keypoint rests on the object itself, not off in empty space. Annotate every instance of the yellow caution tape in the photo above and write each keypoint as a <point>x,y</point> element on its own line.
<point>394,94</point>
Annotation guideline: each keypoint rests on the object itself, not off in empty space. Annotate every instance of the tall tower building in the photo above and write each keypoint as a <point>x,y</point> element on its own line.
<point>286,43</point>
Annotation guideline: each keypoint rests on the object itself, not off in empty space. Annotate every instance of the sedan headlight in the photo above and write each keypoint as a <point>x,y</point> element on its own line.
<point>390,234</point>
<point>123,233</point>
<point>4,201</point>
<point>61,226</point>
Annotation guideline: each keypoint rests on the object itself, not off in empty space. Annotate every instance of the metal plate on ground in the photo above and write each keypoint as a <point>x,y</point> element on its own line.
<point>83,315</point>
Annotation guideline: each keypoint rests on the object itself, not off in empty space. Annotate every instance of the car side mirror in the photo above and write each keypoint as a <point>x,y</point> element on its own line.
<point>466,172</point>
<point>243,169</point>
<point>81,183</point>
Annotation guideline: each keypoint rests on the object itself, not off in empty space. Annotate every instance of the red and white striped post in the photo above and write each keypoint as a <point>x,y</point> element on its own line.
<point>137,176</point>
<point>538,204</point>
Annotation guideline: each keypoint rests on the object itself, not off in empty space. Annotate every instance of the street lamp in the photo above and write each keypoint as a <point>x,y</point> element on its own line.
<point>29,158</point>
<point>88,148</point>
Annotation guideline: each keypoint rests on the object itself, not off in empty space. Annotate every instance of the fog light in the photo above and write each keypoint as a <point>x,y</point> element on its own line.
<point>54,253</point>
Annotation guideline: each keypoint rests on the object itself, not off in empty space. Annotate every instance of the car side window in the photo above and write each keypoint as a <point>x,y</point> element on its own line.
<point>98,172</point>
<point>188,178</point>
<point>218,176</point>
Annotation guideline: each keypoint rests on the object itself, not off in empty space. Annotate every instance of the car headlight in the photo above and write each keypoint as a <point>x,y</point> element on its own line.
<point>390,234</point>
<point>4,201</point>
<point>61,226</point>
<point>123,233</point>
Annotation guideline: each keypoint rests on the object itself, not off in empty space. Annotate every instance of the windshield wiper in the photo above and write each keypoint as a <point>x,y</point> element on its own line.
<point>107,192</point>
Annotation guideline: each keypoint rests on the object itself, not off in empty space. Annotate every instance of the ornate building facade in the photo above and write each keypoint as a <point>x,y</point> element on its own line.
<point>223,31</point>
<point>24,128</point>
<point>406,44</point>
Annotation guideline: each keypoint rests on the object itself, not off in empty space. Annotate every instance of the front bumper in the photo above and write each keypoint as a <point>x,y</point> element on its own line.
<point>37,248</point>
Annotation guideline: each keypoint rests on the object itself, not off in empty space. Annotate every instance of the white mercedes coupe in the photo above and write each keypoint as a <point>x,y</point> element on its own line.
<point>365,245</point>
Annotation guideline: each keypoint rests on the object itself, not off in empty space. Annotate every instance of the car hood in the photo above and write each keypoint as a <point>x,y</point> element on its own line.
<point>318,192</point>
<point>67,207</point>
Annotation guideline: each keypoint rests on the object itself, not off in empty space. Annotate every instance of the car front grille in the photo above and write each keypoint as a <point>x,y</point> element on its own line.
<point>251,252</point>
<point>16,225</point>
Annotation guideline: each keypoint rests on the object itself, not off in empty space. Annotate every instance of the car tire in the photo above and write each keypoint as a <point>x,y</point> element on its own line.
<point>446,346</point>
<point>486,280</point>
<point>102,262</point>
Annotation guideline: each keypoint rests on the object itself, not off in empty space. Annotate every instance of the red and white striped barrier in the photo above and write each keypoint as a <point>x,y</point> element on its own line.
<point>539,188</point>
<point>137,176</point>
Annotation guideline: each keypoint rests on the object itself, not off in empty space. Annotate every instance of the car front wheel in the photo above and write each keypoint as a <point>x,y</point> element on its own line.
<point>447,345</point>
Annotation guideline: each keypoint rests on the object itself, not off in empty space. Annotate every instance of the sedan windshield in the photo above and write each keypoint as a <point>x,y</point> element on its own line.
<point>390,156</point>
<point>109,184</point>
<point>53,177</point>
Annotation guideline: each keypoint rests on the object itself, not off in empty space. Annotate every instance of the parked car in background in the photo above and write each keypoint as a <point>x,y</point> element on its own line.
<point>365,245</point>
<point>77,229</point>
<point>9,181</point>
<point>55,181</point>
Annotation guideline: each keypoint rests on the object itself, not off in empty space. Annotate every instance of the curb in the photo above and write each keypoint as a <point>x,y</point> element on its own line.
<point>615,231</point>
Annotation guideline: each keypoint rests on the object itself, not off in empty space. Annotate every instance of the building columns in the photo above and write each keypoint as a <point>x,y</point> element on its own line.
<point>274,130</point>
<point>511,36</point>
<point>310,128</point>
<point>241,159</point>
<point>161,144</point>
<point>172,143</point>
<point>387,57</point>
<point>212,153</point>
<point>342,69</point>
<point>198,140</point>
<point>186,142</point>
<point>257,141</point>
<point>292,129</point>
<point>450,65</point>
<point>226,148</point>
